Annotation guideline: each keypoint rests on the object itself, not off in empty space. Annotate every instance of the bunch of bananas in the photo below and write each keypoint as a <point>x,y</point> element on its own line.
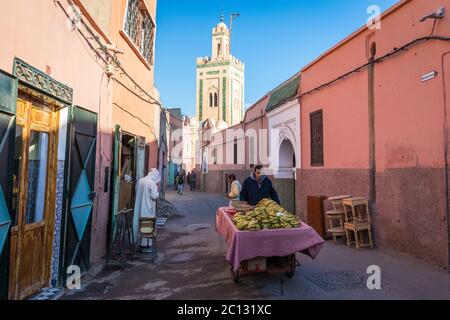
<point>267,215</point>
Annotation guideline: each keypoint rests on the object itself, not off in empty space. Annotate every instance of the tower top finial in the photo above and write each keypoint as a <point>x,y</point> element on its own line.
<point>221,17</point>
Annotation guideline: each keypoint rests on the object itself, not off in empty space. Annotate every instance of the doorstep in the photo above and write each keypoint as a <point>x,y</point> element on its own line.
<point>48,294</point>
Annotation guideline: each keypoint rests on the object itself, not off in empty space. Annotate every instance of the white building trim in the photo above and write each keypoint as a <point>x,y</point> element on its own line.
<point>284,124</point>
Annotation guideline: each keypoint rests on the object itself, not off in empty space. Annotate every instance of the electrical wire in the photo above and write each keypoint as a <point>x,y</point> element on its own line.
<point>434,26</point>
<point>136,117</point>
<point>112,58</point>
<point>378,60</point>
<point>118,64</point>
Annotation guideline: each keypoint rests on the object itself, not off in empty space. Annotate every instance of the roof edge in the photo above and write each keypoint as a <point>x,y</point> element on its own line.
<point>353,35</point>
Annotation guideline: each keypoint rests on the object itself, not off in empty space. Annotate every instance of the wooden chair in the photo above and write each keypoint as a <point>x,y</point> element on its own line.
<point>147,231</point>
<point>357,220</point>
<point>336,217</point>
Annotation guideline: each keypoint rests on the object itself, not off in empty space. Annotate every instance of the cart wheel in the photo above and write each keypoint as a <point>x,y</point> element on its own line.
<point>290,274</point>
<point>235,275</point>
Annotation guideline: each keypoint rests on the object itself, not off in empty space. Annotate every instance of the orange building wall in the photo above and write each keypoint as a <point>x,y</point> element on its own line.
<point>33,40</point>
<point>140,116</point>
<point>409,213</point>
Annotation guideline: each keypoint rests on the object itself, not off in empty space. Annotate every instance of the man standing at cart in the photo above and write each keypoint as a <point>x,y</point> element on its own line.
<point>258,187</point>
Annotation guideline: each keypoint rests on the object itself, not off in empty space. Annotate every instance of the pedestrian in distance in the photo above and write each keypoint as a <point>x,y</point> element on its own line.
<point>180,183</point>
<point>193,181</point>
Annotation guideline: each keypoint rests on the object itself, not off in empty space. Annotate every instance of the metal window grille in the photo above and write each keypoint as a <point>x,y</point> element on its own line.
<point>140,28</point>
<point>317,139</point>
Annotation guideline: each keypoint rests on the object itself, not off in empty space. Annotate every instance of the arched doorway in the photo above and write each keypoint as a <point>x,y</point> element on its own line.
<point>287,157</point>
<point>286,173</point>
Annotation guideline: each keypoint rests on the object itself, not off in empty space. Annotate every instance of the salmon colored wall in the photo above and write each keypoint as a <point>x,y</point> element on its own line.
<point>344,115</point>
<point>409,137</point>
<point>345,122</point>
<point>409,111</point>
<point>402,101</point>
<point>31,34</point>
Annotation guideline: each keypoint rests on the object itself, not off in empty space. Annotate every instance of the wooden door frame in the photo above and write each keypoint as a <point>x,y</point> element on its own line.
<point>24,120</point>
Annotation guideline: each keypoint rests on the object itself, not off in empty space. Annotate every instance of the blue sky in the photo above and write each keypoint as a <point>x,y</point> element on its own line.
<point>273,38</point>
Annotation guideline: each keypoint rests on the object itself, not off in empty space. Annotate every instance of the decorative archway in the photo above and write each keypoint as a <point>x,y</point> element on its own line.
<point>287,159</point>
<point>284,152</point>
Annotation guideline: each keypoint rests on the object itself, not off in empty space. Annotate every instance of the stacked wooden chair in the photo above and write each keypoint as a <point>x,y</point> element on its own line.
<point>357,222</point>
<point>336,217</point>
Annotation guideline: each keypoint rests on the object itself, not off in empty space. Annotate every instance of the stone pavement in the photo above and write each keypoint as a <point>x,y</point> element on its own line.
<point>191,265</point>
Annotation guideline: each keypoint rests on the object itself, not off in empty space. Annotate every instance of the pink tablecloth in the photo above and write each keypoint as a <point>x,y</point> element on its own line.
<point>247,245</point>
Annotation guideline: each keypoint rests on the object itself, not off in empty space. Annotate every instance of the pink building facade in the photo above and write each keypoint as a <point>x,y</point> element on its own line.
<point>408,183</point>
<point>62,96</point>
<point>372,122</point>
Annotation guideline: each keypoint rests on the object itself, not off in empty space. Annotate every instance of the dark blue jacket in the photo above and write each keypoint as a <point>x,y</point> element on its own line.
<point>254,191</point>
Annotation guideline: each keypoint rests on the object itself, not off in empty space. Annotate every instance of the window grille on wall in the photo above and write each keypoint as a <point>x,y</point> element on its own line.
<point>317,139</point>
<point>140,28</point>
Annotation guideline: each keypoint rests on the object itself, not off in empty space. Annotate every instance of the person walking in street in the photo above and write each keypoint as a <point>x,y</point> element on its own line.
<point>258,187</point>
<point>176,181</point>
<point>193,181</point>
<point>188,178</point>
<point>235,188</point>
<point>147,193</point>
<point>180,182</point>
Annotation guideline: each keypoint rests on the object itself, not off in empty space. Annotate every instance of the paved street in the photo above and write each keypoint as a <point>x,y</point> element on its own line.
<point>191,265</point>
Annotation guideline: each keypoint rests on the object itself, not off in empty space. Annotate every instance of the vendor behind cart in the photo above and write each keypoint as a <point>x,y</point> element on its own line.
<point>258,187</point>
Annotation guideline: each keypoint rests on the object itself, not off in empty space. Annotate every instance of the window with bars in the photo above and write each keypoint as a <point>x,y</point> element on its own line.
<point>317,139</point>
<point>140,28</point>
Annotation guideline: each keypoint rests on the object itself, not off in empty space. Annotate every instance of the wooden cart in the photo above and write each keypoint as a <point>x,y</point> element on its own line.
<point>287,264</point>
<point>287,242</point>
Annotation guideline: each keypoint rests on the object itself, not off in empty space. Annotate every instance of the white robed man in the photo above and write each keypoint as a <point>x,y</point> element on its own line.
<point>147,192</point>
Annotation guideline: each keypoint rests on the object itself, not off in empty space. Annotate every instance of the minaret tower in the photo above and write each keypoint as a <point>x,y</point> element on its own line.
<point>220,82</point>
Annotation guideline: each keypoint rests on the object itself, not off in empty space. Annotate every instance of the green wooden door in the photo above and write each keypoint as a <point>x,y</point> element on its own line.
<point>8,98</point>
<point>81,183</point>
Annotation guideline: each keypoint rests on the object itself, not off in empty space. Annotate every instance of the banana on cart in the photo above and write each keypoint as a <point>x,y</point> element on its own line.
<point>266,215</point>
